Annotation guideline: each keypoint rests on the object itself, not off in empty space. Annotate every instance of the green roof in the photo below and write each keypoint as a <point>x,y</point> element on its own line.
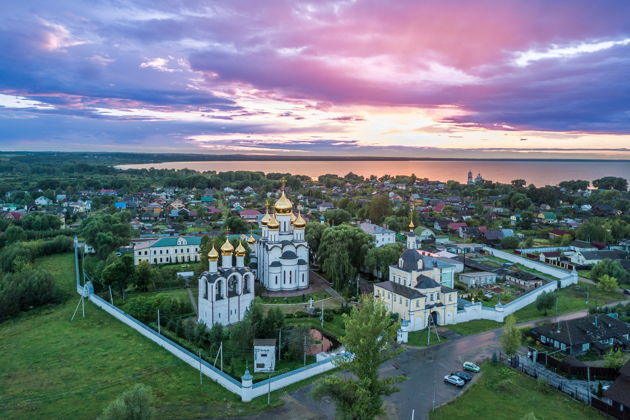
<point>549,215</point>
<point>172,241</point>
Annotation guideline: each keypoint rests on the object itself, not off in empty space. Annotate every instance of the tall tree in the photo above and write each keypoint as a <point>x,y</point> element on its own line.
<point>511,338</point>
<point>612,268</point>
<point>380,207</point>
<point>370,336</point>
<point>545,302</point>
<point>379,259</point>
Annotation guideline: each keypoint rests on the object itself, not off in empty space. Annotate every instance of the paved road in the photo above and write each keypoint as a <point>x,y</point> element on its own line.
<point>425,368</point>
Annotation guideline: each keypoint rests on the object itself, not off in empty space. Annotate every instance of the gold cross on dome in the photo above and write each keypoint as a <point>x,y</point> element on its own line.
<point>283,181</point>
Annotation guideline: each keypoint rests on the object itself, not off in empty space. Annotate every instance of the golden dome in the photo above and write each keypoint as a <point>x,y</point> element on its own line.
<point>283,205</point>
<point>266,217</point>
<point>251,240</point>
<point>213,255</point>
<point>411,225</point>
<point>240,250</point>
<point>293,217</point>
<point>273,223</point>
<point>227,248</point>
<point>299,223</point>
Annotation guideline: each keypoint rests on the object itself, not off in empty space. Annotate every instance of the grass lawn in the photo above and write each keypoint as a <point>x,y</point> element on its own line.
<point>502,393</point>
<point>322,294</point>
<point>571,299</point>
<point>419,338</point>
<point>52,368</point>
<point>474,327</point>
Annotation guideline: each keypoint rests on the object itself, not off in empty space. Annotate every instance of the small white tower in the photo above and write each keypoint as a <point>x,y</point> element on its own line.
<point>240,255</point>
<point>226,252</point>
<point>411,236</point>
<point>213,260</point>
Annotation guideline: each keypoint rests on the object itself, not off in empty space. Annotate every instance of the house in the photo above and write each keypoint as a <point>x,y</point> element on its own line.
<point>558,233</point>
<point>249,215</point>
<point>478,278</point>
<point>524,279</point>
<point>169,250</point>
<point>547,217</point>
<point>549,256</point>
<point>597,332</point>
<point>43,201</point>
<point>590,258</point>
<point>619,391</point>
<point>322,207</point>
<point>381,235</point>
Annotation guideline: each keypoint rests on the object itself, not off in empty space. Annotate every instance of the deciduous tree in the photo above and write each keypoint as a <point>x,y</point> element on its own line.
<point>369,340</point>
<point>511,338</point>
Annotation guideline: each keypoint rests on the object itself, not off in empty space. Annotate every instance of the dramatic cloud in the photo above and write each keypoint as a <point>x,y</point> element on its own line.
<point>345,76</point>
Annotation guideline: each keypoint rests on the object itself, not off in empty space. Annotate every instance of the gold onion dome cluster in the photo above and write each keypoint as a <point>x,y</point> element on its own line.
<point>251,239</point>
<point>240,250</point>
<point>283,205</point>
<point>213,255</point>
<point>227,248</point>
<point>299,222</point>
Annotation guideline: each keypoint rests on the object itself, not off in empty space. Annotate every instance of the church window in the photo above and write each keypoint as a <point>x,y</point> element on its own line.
<point>290,277</point>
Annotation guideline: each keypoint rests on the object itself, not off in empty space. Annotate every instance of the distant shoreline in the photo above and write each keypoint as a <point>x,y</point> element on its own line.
<point>143,158</point>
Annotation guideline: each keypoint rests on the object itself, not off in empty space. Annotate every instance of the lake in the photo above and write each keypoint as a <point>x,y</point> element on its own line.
<point>539,173</point>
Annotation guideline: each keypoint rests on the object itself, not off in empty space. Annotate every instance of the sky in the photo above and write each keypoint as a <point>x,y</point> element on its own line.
<point>435,78</point>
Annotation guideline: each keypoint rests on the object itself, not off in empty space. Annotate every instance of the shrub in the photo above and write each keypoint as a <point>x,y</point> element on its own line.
<point>542,385</point>
<point>26,289</point>
<point>300,314</point>
<point>134,403</point>
<point>328,316</point>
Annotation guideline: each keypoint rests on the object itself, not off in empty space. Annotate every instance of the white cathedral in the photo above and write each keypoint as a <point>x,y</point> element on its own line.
<point>281,257</point>
<point>225,292</point>
<point>282,250</point>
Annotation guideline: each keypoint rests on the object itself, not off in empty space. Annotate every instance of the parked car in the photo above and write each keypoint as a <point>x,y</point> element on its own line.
<point>454,380</point>
<point>470,366</point>
<point>626,291</point>
<point>462,375</point>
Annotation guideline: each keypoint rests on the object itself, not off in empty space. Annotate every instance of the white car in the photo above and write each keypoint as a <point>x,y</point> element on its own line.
<point>454,380</point>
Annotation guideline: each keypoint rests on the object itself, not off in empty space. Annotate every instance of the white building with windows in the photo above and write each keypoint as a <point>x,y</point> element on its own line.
<point>225,291</point>
<point>382,236</point>
<point>282,251</point>
<point>170,250</point>
<point>420,288</point>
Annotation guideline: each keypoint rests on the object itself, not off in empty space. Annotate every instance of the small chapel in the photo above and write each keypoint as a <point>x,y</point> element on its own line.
<point>227,290</point>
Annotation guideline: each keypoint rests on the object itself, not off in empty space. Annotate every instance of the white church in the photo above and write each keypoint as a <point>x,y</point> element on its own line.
<point>225,292</point>
<point>281,258</point>
<point>282,251</point>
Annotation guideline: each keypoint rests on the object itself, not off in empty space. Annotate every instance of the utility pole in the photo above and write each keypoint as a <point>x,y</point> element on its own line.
<point>200,375</point>
<point>269,389</point>
<point>279,343</point>
<point>305,350</point>
<point>111,297</point>
<point>322,316</point>
<point>158,320</point>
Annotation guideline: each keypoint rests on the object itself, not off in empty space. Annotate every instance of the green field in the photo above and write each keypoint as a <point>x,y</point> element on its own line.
<point>571,299</point>
<point>51,367</point>
<point>502,393</point>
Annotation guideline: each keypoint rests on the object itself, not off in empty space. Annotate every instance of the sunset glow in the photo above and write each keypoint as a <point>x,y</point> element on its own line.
<point>432,78</point>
